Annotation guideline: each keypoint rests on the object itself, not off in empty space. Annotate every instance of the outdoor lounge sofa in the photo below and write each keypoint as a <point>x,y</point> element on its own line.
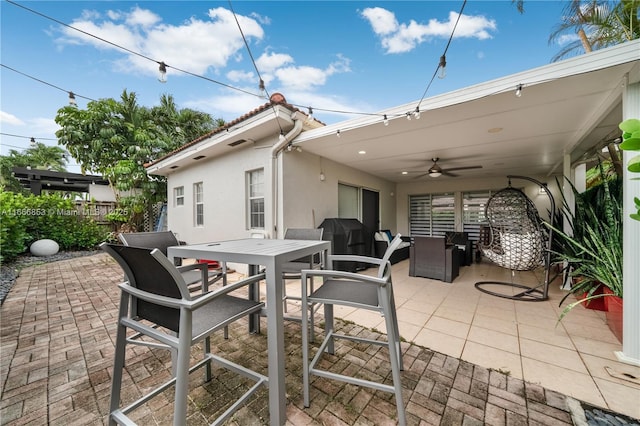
<point>381,242</point>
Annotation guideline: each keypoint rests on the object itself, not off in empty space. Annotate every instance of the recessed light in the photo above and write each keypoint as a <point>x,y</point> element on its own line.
<point>495,130</point>
<point>405,173</point>
<point>362,152</point>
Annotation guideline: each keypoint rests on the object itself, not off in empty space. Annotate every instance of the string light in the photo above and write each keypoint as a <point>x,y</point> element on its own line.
<point>44,82</point>
<point>263,93</point>
<point>519,91</point>
<point>25,137</point>
<point>310,115</point>
<point>262,88</point>
<point>32,141</point>
<point>72,99</point>
<point>163,72</point>
<point>442,66</point>
<point>338,133</point>
<point>385,120</point>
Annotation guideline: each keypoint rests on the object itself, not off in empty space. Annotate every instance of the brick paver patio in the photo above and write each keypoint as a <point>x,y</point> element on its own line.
<point>57,342</point>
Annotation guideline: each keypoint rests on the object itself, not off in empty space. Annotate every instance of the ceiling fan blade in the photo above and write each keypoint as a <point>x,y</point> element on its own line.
<point>462,168</point>
<point>448,173</point>
<point>421,175</point>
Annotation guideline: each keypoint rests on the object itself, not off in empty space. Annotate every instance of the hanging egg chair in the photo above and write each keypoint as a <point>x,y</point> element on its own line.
<point>518,240</point>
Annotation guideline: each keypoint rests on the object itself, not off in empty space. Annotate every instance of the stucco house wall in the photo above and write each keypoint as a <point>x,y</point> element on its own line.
<point>224,196</point>
<point>308,200</point>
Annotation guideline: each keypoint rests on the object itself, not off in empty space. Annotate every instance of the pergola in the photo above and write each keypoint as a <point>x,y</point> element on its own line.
<point>36,180</point>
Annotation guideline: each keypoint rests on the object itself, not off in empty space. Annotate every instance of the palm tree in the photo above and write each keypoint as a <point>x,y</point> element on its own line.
<point>181,125</point>
<point>619,25</point>
<point>42,156</point>
<point>38,156</point>
<point>598,24</point>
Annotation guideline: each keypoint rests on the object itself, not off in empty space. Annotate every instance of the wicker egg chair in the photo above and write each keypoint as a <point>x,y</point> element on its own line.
<point>517,239</point>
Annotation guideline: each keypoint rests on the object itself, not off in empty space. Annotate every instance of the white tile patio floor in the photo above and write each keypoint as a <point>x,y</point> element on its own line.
<point>523,339</point>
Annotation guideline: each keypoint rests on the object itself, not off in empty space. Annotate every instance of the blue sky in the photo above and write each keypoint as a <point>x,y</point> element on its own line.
<point>358,56</point>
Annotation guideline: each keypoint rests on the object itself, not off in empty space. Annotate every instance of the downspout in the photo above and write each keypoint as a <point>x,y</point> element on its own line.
<point>275,151</point>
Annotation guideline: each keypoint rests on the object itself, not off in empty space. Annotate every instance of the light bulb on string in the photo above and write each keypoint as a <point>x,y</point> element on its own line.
<point>72,99</point>
<point>385,120</point>
<point>416,113</point>
<point>408,116</point>
<point>263,90</point>
<point>443,67</point>
<point>338,133</point>
<point>519,91</point>
<point>310,115</point>
<point>32,141</point>
<point>162,68</point>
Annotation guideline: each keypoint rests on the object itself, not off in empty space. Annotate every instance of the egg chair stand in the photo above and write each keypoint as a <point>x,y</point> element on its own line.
<point>518,240</point>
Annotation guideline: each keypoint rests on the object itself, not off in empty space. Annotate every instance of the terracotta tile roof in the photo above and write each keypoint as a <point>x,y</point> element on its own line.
<point>275,99</point>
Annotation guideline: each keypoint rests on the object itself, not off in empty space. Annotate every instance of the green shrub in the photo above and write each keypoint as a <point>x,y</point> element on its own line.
<point>13,225</point>
<point>27,219</point>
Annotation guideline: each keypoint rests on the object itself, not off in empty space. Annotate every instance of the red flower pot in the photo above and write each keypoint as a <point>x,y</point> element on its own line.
<point>595,304</point>
<point>614,313</point>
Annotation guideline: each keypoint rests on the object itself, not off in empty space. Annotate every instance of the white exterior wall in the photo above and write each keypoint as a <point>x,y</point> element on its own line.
<point>308,201</point>
<point>101,193</point>
<point>440,185</point>
<point>224,185</point>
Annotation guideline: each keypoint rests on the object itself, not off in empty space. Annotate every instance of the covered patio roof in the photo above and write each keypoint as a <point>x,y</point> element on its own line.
<point>572,107</point>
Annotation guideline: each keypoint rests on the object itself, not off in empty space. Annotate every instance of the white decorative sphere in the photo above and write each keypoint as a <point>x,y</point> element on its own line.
<point>44,248</point>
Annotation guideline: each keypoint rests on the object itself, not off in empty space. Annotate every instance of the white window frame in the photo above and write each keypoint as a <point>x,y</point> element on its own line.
<point>198,205</point>
<point>255,216</point>
<point>178,196</point>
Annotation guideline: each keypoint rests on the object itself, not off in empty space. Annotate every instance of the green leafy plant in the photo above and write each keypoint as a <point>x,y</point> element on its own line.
<point>631,142</point>
<point>25,219</point>
<point>13,225</point>
<point>594,248</point>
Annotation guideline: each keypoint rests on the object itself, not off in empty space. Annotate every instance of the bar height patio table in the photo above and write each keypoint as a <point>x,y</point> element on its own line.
<point>271,254</point>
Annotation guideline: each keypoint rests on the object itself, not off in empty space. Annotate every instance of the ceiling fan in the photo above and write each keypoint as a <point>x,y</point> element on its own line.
<point>435,170</point>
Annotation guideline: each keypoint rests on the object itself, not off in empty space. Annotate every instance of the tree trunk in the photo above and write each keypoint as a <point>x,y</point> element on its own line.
<point>585,41</point>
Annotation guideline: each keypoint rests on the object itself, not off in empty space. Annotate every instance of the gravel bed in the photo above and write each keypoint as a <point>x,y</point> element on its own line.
<point>9,272</point>
<point>600,417</point>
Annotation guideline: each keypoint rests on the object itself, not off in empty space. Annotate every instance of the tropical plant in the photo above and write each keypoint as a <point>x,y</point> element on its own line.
<point>597,24</point>
<point>117,138</point>
<point>593,248</point>
<point>37,156</point>
<point>25,219</point>
<point>631,142</point>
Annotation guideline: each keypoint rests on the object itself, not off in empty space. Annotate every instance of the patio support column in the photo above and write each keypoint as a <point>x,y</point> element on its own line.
<point>631,243</point>
<point>577,178</point>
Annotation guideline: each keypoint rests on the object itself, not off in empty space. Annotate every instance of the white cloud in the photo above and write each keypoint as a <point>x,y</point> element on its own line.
<point>195,45</point>
<point>566,39</point>
<point>309,78</point>
<point>8,118</point>
<point>43,126</point>
<point>202,46</point>
<point>382,21</point>
<point>270,61</point>
<point>142,17</point>
<point>402,37</point>
<point>237,76</point>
